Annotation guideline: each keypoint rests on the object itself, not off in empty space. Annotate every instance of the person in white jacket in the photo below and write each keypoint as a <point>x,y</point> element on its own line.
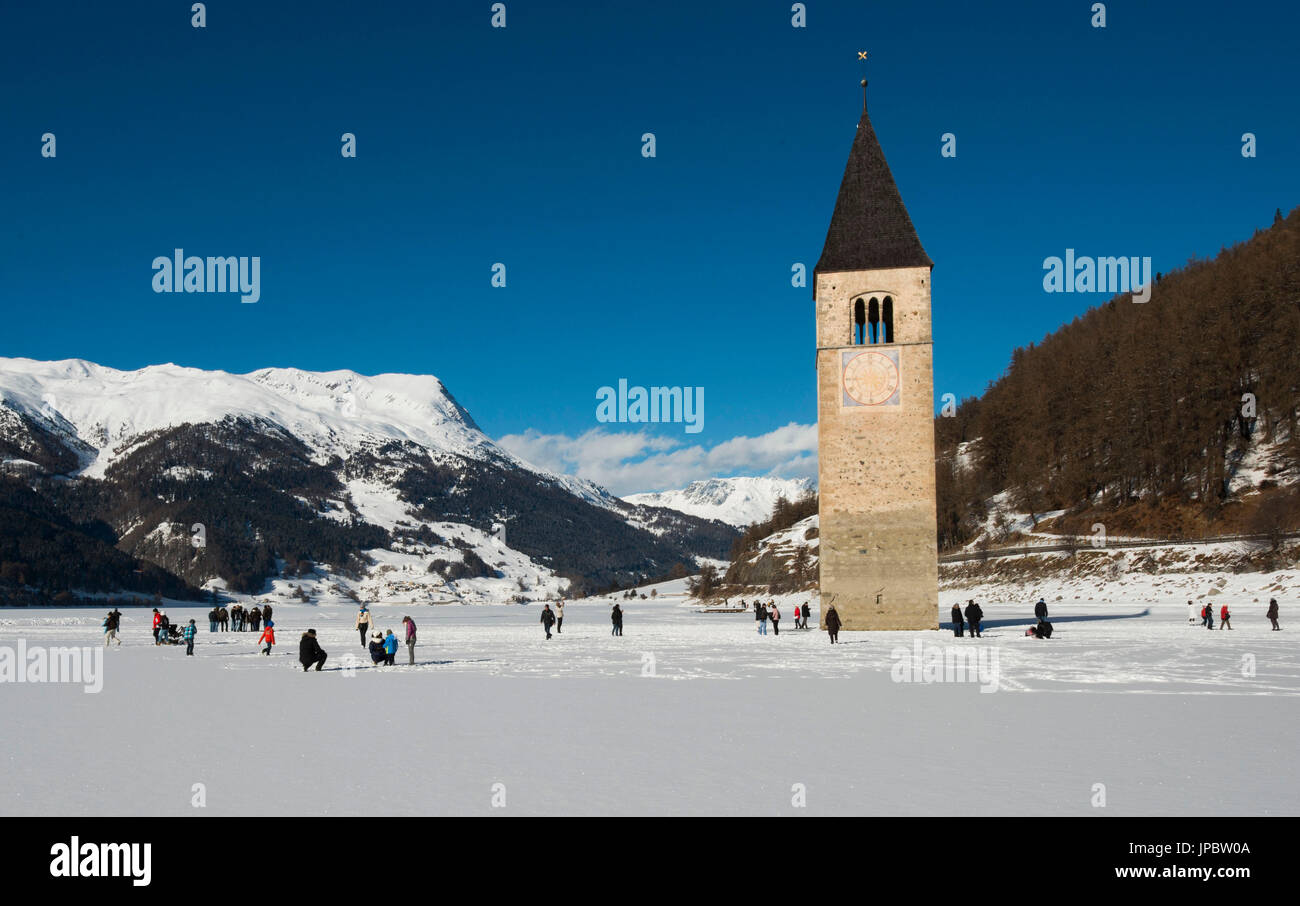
<point>363,623</point>
<point>559,616</point>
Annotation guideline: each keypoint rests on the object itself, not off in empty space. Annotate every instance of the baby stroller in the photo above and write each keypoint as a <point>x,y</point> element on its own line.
<point>173,636</point>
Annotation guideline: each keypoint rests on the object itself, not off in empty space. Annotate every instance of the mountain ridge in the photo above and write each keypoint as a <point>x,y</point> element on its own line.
<point>332,471</point>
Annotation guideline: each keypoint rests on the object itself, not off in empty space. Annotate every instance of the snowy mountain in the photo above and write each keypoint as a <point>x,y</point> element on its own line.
<point>736,501</point>
<point>373,485</point>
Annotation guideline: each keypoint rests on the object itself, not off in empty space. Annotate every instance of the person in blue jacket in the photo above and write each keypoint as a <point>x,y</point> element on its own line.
<point>390,648</point>
<point>188,634</point>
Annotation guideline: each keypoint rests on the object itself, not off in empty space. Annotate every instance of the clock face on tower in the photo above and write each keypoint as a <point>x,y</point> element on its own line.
<point>870,378</point>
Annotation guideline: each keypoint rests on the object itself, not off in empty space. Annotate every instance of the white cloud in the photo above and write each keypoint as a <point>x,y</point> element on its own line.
<point>628,462</point>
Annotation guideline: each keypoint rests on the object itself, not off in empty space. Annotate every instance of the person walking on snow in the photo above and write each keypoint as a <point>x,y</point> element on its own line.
<point>213,618</point>
<point>157,619</point>
<point>1225,618</point>
<point>776,619</point>
<point>112,623</point>
<point>363,624</point>
<point>268,638</point>
<point>410,638</point>
<point>1207,616</point>
<point>223,617</point>
<point>760,614</point>
<point>973,616</point>
<point>958,624</point>
<point>806,614</point>
<point>616,617</point>
<point>548,620</point>
<point>188,634</point>
<point>390,649</point>
<point>1272,614</point>
<point>1040,610</point>
<point>833,624</point>
<point>310,652</point>
<point>559,616</point>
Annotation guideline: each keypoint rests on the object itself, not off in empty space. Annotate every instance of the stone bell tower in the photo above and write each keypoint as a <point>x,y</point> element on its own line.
<point>875,404</point>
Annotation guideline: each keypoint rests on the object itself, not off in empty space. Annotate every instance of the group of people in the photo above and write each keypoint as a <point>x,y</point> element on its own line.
<point>165,632</point>
<point>112,623</point>
<point>238,619</point>
<point>382,646</point>
<point>973,618</point>
<point>1205,615</point>
<point>769,612</point>
<point>555,619</point>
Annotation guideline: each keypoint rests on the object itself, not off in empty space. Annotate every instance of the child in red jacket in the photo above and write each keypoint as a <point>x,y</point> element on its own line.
<point>1225,618</point>
<point>268,637</point>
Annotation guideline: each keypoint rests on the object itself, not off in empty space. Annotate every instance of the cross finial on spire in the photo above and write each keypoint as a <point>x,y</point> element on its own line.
<point>862,58</point>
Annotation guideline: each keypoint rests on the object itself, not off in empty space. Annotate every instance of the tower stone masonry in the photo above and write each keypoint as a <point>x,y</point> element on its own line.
<point>875,405</point>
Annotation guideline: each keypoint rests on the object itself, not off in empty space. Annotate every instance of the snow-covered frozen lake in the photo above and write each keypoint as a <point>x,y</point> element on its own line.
<point>686,713</point>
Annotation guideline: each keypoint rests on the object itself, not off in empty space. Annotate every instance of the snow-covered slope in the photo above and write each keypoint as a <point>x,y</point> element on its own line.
<point>286,464</point>
<point>333,412</point>
<point>737,501</point>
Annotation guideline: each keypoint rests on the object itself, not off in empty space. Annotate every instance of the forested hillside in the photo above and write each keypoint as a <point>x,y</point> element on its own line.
<point>1139,414</point>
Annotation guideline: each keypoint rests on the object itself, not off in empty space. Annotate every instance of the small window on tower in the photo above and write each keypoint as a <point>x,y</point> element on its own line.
<point>859,323</point>
<point>888,319</point>
<point>873,320</point>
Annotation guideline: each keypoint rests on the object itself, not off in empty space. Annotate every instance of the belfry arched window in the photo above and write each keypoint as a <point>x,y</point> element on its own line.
<point>887,319</point>
<point>859,323</point>
<point>873,319</point>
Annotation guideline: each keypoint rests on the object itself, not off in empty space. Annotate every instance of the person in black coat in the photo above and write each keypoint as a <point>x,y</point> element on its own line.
<point>806,614</point>
<point>1040,610</point>
<point>310,652</point>
<point>1272,613</point>
<point>548,619</point>
<point>973,616</point>
<point>376,648</point>
<point>833,624</point>
<point>958,624</point>
<point>616,617</point>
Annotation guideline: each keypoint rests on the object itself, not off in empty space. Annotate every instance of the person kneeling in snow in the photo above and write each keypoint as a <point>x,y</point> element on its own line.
<point>1042,631</point>
<point>377,653</point>
<point>310,652</point>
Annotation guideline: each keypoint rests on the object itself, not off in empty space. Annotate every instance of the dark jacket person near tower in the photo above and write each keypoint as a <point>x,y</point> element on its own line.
<point>958,624</point>
<point>832,624</point>
<point>973,616</point>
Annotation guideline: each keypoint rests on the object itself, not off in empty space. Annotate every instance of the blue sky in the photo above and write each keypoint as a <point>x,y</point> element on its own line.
<point>522,146</point>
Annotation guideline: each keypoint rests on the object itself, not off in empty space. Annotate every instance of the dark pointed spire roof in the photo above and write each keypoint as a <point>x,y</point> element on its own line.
<point>870,228</point>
